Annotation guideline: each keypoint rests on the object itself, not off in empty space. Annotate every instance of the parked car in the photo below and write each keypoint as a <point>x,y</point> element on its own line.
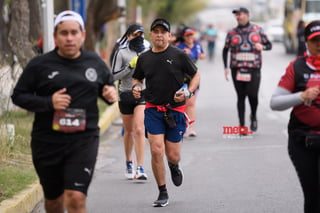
<point>274,30</point>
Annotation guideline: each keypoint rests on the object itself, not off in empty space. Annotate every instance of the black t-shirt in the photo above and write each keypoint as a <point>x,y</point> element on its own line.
<point>83,77</point>
<point>164,74</point>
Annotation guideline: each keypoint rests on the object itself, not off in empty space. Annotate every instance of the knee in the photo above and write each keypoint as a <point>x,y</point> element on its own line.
<point>253,97</point>
<point>139,131</point>
<point>173,156</point>
<point>157,152</point>
<point>128,133</point>
<point>74,199</point>
<point>55,205</point>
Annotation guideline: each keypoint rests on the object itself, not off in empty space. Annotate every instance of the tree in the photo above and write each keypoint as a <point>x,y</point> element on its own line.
<point>175,11</point>
<point>4,44</point>
<point>19,33</point>
<point>99,12</point>
<point>20,27</point>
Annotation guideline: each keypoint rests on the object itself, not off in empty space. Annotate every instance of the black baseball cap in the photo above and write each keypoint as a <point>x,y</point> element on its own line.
<point>135,28</point>
<point>240,10</point>
<point>160,22</point>
<point>312,30</point>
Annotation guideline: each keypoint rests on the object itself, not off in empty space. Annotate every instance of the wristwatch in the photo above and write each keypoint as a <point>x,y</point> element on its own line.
<point>190,94</point>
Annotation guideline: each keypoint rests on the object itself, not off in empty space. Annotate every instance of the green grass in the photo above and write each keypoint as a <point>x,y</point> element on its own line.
<point>16,169</point>
<point>15,156</point>
<point>14,178</point>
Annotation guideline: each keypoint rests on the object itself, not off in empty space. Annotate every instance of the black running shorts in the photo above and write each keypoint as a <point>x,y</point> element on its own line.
<point>63,166</point>
<point>128,109</point>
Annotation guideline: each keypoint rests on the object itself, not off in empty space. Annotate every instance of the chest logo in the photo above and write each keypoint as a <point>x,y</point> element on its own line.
<point>254,38</point>
<point>53,74</point>
<point>236,40</point>
<point>169,61</point>
<point>91,74</point>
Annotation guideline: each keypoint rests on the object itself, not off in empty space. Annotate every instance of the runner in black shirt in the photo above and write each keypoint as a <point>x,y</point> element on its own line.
<point>62,88</point>
<point>164,68</point>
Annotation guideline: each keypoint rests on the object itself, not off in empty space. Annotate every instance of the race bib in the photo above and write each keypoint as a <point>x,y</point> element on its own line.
<point>243,76</point>
<point>69,120</point>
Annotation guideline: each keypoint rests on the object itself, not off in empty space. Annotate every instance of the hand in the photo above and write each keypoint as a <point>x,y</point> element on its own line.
<point>179,97</point>
<point>182,94</point>
<point>133,62</point>
<point>202,56</point>
<point>187,50</point>
<point>109,93</point>
<point>310,93</point>
<point>61,100</point>
<point>136,91</point>
<point>226,73</point>
<point>258,46</point>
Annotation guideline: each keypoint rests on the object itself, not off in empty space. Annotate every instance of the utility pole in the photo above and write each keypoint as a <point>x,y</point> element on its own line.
<point>48,16</point>
<point>122,19</point>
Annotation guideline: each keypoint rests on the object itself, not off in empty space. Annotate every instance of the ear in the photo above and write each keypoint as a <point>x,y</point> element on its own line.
<point>55,37</point>
<point>83,36</point>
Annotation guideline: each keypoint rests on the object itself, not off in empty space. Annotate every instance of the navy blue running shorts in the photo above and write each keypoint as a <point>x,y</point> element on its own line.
<point>155,124</point>
<point>62,166</point>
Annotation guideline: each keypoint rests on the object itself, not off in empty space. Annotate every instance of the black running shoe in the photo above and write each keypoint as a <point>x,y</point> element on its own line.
<point>243,131</point>
<point>254,124</point>
<point>162,201</point>
<point>176,174</point>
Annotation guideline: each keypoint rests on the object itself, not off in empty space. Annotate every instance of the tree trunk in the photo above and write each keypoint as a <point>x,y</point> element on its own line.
<point>19,31</point>
<point>35,17</point>
<point>5,52</point>
<point>98,13</point>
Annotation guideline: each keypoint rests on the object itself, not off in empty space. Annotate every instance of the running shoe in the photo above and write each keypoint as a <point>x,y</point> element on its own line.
<point>176,174</point>
<point>192,133</point>
<point>163,199</point>
<point>129,170</point>
<point>254,123</point>
<point>140,174</point>
<point>243,131</point>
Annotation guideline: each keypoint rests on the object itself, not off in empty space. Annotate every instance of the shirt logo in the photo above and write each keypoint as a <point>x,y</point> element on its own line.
<point>78,184</point>
<point>53,74</point>
<point>91,74</point>
<point>169,61</point>
<point>87,170</point>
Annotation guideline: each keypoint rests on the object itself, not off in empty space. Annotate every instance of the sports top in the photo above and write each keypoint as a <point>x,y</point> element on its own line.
<point>164,74</point>
<point>83,77</point>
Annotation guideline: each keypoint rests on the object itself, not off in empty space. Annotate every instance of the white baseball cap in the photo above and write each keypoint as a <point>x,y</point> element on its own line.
<point>69,15</point>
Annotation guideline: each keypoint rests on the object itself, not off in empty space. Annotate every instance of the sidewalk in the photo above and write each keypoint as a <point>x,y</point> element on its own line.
<point>25,201</point>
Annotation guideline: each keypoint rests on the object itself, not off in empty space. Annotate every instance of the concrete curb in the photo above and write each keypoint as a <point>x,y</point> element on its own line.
<point>108,117</point>
<point>25,201</point>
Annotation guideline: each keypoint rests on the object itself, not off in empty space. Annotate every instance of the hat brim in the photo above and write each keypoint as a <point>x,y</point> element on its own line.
<point>189,33</point>
<point>240,11</point>
<point>161,25</point>
<point>137,31</point>
<point>313,35</point>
